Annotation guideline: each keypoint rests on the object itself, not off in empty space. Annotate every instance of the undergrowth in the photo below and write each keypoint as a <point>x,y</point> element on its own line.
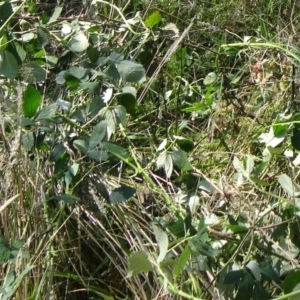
<point>149,150</point>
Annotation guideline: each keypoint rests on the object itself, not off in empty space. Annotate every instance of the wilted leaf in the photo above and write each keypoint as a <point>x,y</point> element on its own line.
<point>138,262</point>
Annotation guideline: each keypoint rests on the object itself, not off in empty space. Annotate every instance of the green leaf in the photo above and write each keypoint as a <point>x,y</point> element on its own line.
<point>260,292</point>
<point>57,152</point>
<point>120,112</point>
<point>179,158</point>
<point>199,244</point>
<point>56,14</point>
<point>130,71</point>
<point>8,65</point>
<point>112,122</point>
<point>165,161</point>
<point>182,261</point>
<point>78,72</point>
<point>290,187</point>
<point>93,54</point>
<point>79,42</point>
<point>121,194</point>
<point>98,134</point>
<point>74,169</point>
<point>67,198</point>
<point>31,101</point>
<point>245,288</point>
<point>18,244</point>
<point>27,37</point>
<point>81,145</point>
<point>17,51</point>
<point>291,281</point>
<point>253,266</point>
<point>42,36</point>
<point>184,144</point>
<point>6,11</point>
<point>210,78</point>
<point>47,113</point>
<point>237,228</point>
<point>162,241</point>
<point>295,139</point>
<point>233,276</point>
<point>93,87</point>
<point>153,19</point>
<point>100,187</point>
<point>4,253</point>
<point>27,140</point>
<point>138,263</point>
<point>33,73</point>
<point>98,155</point>
<point>116,150</point>
<point>128,99</point>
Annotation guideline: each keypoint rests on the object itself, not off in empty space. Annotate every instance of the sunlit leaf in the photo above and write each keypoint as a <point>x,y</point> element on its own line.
<point>181,261</point>
<point>130,71</point>
<point>78,42</point>
<point>162,241</point>
<point>180,159</point>
<point>138,263</point>
<point>210,78</point>
<point>56,14</point>
<point>153,19</point>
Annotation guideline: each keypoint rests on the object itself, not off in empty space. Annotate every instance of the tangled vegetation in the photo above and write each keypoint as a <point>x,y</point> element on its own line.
<point>149,149</point>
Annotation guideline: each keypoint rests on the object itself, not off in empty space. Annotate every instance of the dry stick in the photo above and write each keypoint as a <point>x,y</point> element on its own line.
<point>8,202</point>
<point>167,56</point>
